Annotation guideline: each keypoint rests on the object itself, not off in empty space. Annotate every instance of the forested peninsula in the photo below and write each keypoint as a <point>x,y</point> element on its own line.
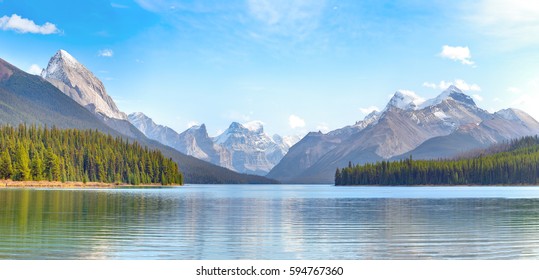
<point>512,163</point>
<point>30,153</point>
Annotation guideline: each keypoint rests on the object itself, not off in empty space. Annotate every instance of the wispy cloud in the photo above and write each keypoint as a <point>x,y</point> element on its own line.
<point>430,85</point>
<point>478,97</point>
<point>369,110</point>
<point>461,84</point>
<point>24,25</point>
<point>461,54</point>
<point>513,21</point>
<point>192,123</point>
<point>323,127</point>
<point>34,69</point>
<point>105,53</point>
<point>295,122</point>
<point>118,6</point>
<point>287,17</point>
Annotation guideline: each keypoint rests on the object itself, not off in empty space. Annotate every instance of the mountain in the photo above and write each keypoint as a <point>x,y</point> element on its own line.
<point>251,150</point>
<point>244,148</point>
<point>30,99</point>
<point>77,82</point>
<point>443,126</point>
<point>194,141</point>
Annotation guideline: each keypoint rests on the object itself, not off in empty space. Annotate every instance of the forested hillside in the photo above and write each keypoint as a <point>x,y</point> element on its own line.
<point>35,153</point>
<point>515,162</point>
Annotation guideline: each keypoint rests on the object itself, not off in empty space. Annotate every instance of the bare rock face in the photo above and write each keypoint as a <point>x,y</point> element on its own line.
<point>77,82</point>
<point>444,126</point>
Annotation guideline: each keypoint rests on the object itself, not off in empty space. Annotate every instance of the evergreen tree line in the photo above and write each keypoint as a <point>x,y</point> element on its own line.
<point>35,153</point>
<point>518,164</point>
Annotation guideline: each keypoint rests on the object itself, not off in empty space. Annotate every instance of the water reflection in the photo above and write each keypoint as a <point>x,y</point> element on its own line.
<point>245,223</point>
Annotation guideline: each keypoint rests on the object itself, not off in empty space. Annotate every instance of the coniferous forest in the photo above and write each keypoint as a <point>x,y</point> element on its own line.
<point>30,153</point>
<point>512,163</point>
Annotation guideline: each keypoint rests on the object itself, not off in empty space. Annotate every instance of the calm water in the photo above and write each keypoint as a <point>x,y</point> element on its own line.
<point>270,222</point>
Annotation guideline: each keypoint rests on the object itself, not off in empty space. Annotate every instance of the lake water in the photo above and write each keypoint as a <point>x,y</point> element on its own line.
<point>270,222</point>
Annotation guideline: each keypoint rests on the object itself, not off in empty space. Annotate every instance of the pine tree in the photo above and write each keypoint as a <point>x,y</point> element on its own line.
<point>36,167</point>
<point>6,166</point>
<point>21,170</point>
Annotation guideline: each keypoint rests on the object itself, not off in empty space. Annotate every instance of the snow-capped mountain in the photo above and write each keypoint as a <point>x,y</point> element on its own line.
<point>444,126</point>
<point>79,83</point>
<point>75,81</point>
<point>245,148</point>
<point>251,149</point>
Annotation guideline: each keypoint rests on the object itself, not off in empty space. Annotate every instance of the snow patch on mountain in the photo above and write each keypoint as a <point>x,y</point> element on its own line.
<point>405,100</point>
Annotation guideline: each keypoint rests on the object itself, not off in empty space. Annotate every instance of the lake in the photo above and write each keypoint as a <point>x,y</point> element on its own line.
<point>270,222</point>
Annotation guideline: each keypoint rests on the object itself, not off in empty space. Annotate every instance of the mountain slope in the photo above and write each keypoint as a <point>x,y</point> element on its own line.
<point>29,99</point>
<point>441,127</point>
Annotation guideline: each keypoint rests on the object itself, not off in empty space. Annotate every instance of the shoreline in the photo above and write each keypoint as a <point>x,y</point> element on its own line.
<point>58,184</point>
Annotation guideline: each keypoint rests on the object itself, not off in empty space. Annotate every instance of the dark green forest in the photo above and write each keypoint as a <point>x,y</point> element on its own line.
<point>512,163</point>
<point>30,153</point>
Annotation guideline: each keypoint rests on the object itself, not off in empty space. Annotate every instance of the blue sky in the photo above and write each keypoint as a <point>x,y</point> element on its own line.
<point>295,65</point>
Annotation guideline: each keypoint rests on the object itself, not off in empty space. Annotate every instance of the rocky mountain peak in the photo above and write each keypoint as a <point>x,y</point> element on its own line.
<point>79,83</point>
<point>405,100</point>
<point>454,93</point>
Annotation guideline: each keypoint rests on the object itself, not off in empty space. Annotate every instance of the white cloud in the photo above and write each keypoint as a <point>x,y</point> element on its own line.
<point>323,127</point>
<point>410,93</point>
<point>477,97</point>
<point>24,25</point>
<point>254,125</point>
<point>461,54</point>
<point>295,122</point>
<point>430,85</point>
<point>105,53</point>
<point>369,110</point>
<point>513,21</point>
<point>461,84</point>
<point>34,69</point>
<point>289,17</point>
<point>192,123</point>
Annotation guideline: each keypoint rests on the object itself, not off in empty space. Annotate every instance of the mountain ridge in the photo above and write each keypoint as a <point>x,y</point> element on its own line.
<point>244,148</point>
<point>30,99</point>
<point>408,125</point>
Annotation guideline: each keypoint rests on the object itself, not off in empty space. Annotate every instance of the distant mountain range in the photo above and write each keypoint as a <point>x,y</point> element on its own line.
<point>442,127</point>
<point>68,95</point>
<point>244,148</point>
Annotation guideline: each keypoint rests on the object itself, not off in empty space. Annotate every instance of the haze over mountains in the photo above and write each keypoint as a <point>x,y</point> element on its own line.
<point>441,127</point>
<point>244,148</point>
<point>70,96</point>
